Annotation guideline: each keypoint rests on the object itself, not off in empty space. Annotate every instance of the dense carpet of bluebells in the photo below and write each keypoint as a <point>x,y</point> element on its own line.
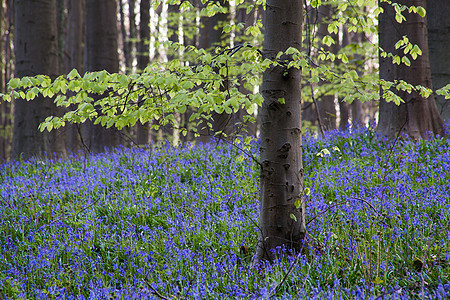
<point>182,223</point>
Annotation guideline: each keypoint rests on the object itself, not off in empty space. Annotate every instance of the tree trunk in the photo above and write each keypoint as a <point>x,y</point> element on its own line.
<point>281,176</point>
<point>101,54</point>
<point>204,38</point>
<point>438,12</point>
<point>7,65</point>
<point>220,122</point>
<point>74,60</point>
<point>358,116</point>
<point>417,116</point>
<point>143,59</point>
<point>326,105</point>
<point>123,33</point>
<point>132,34</point>
<point>3,104</point>
<point>173,23</point>
<point>211,36</point>
<point>36,52</point>
<point>248,20</point>
<point>309,112</point>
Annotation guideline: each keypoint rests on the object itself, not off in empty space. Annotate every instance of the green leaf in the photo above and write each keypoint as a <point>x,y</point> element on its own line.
<point>249,9</point>
<point>14,83</point>
<point>293,217</point>
<point>406,61</point>
<point>399,18</point>
<point>421,11</point>
<point>73,74</point>
<point>6,97</point>
<point>307,191</point>
<point>377,280</point>
<point>396,60</point>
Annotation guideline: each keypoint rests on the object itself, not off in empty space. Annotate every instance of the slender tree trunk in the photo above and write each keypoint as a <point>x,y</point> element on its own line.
<point>74,59</point>
<point>36,52</point>
<point>248,20</point>
<point>101,54</point>
<point>173,23</point>
<point>61,7</point>
<point>143,59</point>
<point>210,37</point>
<point>438,12</point>
<point>221,122</point>
<point>3,106</point>
<point>6,114</point>
<point>204,43</point>
<point>123,33</point>
<point>309,115</point>
<point>281,137</point>
<point>132,33</point>
<point>418,116</point>
<point>326,105</point>
<point>358,115</point>
<point>343,106</point>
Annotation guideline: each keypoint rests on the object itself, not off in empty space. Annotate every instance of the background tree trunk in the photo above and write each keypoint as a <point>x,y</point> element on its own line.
<point>74,41</point>
<point>248,20</point>
<point>36,52</point>
<point>438,12</point>
<point>5,66</point>
<point>344,106</point>
<point>143,59</point>
<point>326,105</point>
<point>221,122</point>
<point>211,36</point>
<point>281,176</point>
<point>204,43</point>
<point>417,116</point>
<point>101,54</point>
<point>358,116</point>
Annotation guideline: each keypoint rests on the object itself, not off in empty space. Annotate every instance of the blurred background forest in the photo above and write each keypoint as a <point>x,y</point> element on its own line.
<point>126,35</point>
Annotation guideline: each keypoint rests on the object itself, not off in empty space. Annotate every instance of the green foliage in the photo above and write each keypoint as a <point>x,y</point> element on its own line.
<point>155,94</point>
<point>212,84</point>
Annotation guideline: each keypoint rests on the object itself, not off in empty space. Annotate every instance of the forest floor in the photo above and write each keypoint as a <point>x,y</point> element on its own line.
<point>182,223</point>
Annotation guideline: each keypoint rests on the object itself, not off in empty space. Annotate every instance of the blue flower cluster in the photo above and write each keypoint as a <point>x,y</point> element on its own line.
<point>182,223</point>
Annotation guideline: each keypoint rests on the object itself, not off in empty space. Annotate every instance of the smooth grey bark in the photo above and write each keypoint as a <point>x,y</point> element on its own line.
<point>344,111</point>
<point>101,53</point>
<point>128,33</point>
<point>248,20</point>
<point>221,122</point>
<point>417,117</point>
<point>281,177</point>
<point>357,106</point>
<point>132,32</point>
<point>4,108</point>
<point>438,21</point>
<point>36,52</point>
<point>74,38</point>
<point>143,59</point>
<point>326,105</point>
<point>309,112</point>
<point>123,33</point>
<point>73,44</point>
<point>6,115</point>
<point>203,43</point>
<point>210,37</point>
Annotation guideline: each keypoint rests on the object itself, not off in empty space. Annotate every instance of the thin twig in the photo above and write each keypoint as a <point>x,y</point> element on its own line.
<point>156,293</point>
<point>291,267</point>
<point>325,210</point>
